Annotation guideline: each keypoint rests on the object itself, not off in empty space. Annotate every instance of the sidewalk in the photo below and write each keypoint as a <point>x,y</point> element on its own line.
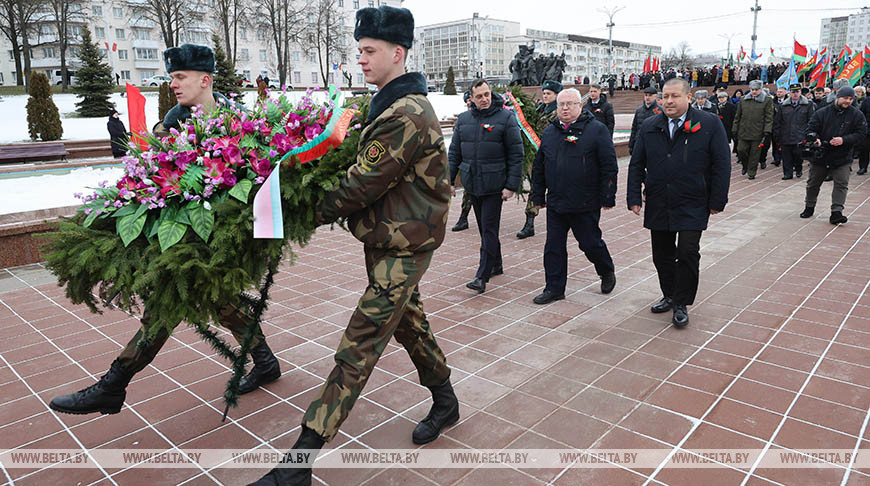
<point>777,356</point>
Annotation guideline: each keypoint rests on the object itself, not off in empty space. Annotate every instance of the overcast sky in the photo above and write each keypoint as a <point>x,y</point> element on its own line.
<point>666,24</point>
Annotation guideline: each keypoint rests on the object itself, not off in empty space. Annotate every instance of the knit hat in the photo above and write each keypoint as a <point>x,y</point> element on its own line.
<point>845,91</point>
<point>755,84</point>
<point>466,96</point>
<point>553,86</point>
<point>387,23</point>
<point>189,57</point>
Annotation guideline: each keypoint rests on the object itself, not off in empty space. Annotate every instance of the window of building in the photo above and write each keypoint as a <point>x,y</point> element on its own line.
<point>103,52</point>
<point>48,52</point>
<point>145,54</point>
<point>74,51</point>
<point>100,32</point>
<point>117,12</point>
<point>142,34</point>
<point>11,55</point>
<point>97,10</point>
<point>312,57</point>
<point>262,54</point>
<point>243,55</point>
<point>119,34</point>
<point>314,77</point>
<point>297,77</point>
<point>261,34</point>
<point>359,78</point>
<point>341,3</point>
<point>356,4</point>
<point>146,74</point>
<point>295,57</point>
<point>122,54</point>
<point>372,3</point>
<point>243,33</point>
<point>125,75</point>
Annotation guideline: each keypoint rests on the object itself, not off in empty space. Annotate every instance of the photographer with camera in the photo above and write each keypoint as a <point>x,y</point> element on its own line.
<point>839,125</point>
<point>789,129</point>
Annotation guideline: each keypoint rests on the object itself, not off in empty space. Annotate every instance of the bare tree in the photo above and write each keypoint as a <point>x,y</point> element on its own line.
<point>326,34</point>
<point>171,16</point>
<point>678,57</point>
<point>16,23</point>
<point>67,18</point>
<point>283,20</point>
<point>230,13</point>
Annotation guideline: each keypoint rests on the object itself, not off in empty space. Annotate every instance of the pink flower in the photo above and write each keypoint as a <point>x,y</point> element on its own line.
<point>248,126</point>
<point>281,142</point>
<point>167,180</point>
<point>185,158</point>
<point>232,155</point>
<point>261,166</point>
<point>312,131</point>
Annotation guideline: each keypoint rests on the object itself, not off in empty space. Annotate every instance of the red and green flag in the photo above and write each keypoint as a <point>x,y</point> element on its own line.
<point>822,80</point>
<point>808,64</point>
<point>854,70</point>
<point>800,52</point>
<point>741,55</point>
<point>843,58</point>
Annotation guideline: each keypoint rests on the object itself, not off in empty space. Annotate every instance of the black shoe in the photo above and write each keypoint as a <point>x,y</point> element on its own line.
<point>861,171</point>
<point>477,284</point>
<point>462,223</point>
<point>663,305</point>
<point>798,172</point>
<point>763,165</point>
<point>776,163</point>
<point>808,212</point>
<point>608,281</point>
<point>294,476</point>
<point>786,178</point>
<point>266,369</point>
<point>105,396</point>
<point>752,178</point>
<point>743,171</point>
<point>837,217</point>
<point>444,413</point>
<point>497,270</point>
<point>829,179</point>
<point>681,316</point>
<point>528,228</point>
<point>546,297</point>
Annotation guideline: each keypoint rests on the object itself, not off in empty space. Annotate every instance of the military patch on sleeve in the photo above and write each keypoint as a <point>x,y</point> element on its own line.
<point>374,152</point>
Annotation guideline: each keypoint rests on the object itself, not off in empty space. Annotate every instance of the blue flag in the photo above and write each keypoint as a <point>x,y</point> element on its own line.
<point>789,77</point>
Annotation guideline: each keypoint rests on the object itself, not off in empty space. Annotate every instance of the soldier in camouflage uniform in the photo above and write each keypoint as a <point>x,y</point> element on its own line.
<point>190,67</point>
<point>462,222</point>
<point>395,199</point>
<point>546,114</point>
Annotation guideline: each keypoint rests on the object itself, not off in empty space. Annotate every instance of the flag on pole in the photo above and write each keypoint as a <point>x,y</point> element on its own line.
<point>754,56</point>
<point>819,68</point>
<point>809,64</point>
<point>789,77</point>
<point>854,70</point>
<point>136,113</point>
<point>844,57</point>
<point>655,64</point>
<point>771,51</point>
<point>646,66</point>
<point>822,80</point>
<point>866,59</point>
<point>741,54</point>
<point>800,52</point>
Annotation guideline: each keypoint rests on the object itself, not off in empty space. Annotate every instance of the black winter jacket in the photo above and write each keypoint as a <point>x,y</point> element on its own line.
<point>575,167</point>
<point>602,111</point>
<point>726,114</point>
<point>684,178</point>
<point>791,119</point>
<point>117,136</point>
<point>642,113</point>
<point>832,121</point>
<point>487,147</point>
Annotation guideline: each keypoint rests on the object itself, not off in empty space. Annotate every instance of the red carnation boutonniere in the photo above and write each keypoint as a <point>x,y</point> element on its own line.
<point>656,110</point>
<point>688,127</point>
<point>598,110</point>
<point>571,138</point>
<point>487,126</point>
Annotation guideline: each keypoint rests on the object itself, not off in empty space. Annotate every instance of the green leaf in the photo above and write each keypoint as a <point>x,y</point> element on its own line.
<point>124,211</point>
<point>141,209</point>
<point>183,216</point>
<point>130,227</point>
<point>90,219</point>
<point>152,226</point>
<point>170,232</point>
<point>191,180</point>
<point>249,141</point>
<point>201,220</point>
<point>241,189</point>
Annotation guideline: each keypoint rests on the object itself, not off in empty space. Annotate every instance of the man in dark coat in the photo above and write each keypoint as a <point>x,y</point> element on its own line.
<point>863,148</point>
<point>117,135</point>
<point>488,148</point>
<point>682,160</point>
<point>703,103</point>
<point>789,129</point>
<point>839,125</point>
<point>649,108</point>
<point>576,168</point>
<point>726,110</point>
<point>599,107</point>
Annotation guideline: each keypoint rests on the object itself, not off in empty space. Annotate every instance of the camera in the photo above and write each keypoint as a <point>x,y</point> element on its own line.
<point>809,149</point>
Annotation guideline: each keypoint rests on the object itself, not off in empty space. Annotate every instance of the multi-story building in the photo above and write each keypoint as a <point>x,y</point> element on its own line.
<point>834,33</point>
<point>473,47</point>
<point>133,44</point>
<point>858,32</point>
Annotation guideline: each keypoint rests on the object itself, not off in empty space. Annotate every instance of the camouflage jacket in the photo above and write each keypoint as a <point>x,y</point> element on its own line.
<point>178,114</point>
<point>546,115</point>
<point>396,195</point>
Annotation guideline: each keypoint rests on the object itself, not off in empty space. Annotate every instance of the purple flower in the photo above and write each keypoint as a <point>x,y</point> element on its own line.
<point>312,131</point>
<point>232,155</point>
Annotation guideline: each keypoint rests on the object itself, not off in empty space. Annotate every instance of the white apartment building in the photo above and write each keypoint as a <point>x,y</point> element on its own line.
<point>135,44</point>
<point>834,34</point>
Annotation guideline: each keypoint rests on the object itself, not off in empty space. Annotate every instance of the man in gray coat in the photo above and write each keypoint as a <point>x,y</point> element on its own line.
<point>753,125</point>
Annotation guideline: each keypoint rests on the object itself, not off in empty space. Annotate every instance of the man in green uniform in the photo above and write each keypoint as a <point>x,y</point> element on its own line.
<point>191,67</point>
<point>462,222</point>
<point>546,114</point>
<point>395,199</point>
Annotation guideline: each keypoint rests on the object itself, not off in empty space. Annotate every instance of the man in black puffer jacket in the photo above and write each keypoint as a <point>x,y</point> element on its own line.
<point>576,168</point>
<point>488,149</point>
<point>841,126</point>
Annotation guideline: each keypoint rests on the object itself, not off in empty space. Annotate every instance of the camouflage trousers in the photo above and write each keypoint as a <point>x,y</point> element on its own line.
<point>389,306</point>
<point>531,209</point>
<point>134,358</point>
<point>466,202</point>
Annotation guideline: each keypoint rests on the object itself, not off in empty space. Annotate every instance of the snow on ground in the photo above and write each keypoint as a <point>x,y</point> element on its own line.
<point>43,190</point>
<point>13,125</point>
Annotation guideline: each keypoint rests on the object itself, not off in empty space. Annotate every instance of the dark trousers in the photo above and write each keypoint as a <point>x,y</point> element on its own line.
<point>588,235</point>
<point>791,160</point>
<point>487,212</point>
<point>863,150</point>
<point>677,257</point>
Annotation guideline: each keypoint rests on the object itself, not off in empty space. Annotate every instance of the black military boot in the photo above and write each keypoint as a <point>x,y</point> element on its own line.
<point>528,228</point>
<point>105,396</point>
<point>444,412</point>
<point>462,223</point>
<point>308,441</point>
<point>266,369</point>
